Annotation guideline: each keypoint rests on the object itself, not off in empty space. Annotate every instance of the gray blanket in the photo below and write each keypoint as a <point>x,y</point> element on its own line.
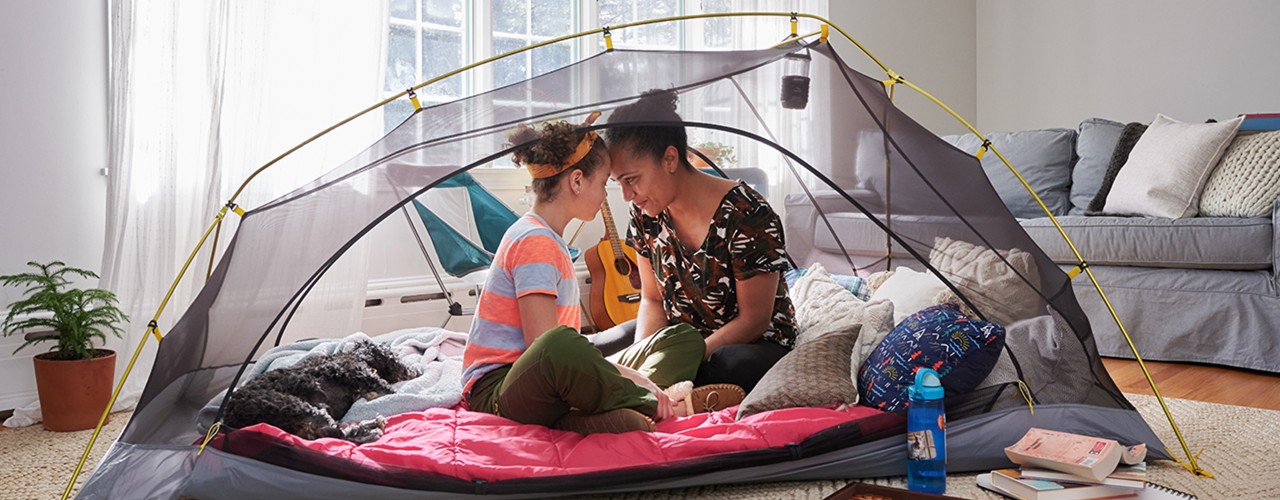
<point>436,352</point>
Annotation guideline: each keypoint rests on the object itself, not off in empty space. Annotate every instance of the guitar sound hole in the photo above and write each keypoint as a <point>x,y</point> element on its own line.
<point>623,266</point>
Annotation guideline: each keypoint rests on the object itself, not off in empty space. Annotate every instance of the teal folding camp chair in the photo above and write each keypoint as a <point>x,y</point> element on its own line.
<point>459,256</point>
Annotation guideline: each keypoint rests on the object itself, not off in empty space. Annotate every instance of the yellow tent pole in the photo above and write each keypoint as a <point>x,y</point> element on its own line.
<point>154,330</point>
<point>216,225</point>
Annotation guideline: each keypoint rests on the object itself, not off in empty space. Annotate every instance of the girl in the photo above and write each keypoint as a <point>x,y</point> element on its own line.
<point>710,250</point>
<point>525,359</point>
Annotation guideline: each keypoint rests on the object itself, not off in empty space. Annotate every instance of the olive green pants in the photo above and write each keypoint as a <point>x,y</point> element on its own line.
<point>562,370</point>
<point>670,355</point>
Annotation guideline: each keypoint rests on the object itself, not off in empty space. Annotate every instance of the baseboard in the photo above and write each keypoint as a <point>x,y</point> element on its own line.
<point>17,372</point>
<point>13,400</point>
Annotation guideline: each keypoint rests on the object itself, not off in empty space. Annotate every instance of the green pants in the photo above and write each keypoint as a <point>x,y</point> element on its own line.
<point>561,370</point>
<point>670,355</point>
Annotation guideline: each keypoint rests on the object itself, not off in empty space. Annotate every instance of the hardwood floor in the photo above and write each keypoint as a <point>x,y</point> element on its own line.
<point>1199,382</point>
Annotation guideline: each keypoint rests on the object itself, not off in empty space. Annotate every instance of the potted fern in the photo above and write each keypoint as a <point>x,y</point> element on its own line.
<point>74,379</point>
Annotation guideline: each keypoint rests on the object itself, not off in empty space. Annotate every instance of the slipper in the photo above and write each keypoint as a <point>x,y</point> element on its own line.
<point>713,397</point>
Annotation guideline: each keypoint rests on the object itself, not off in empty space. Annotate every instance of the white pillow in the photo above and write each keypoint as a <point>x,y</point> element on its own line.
<point>909,290</point>
<point>1168,168</point>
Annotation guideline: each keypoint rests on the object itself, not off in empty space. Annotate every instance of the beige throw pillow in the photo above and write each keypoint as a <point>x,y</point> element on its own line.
<point>1168,168</point>
<point>813,374</point>
<point>1247,181</point>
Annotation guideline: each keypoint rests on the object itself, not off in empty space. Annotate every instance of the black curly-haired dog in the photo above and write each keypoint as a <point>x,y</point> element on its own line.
<point>308,398</point>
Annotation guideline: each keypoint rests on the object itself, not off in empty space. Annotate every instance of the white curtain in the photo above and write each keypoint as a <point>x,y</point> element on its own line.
<point>201,95</point>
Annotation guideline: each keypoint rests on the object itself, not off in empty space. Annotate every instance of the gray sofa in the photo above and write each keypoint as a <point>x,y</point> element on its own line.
<point>1197,289</point>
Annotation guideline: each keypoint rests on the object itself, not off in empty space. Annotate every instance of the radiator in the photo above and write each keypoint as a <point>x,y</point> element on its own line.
<point>394,304</point>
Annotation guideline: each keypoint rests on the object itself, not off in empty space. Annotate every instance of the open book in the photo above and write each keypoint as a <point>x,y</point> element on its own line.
<point>1088,457</point>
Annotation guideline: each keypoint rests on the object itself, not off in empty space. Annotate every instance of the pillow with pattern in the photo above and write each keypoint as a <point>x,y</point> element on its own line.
<point>813,374</point>
<point>961,350</point>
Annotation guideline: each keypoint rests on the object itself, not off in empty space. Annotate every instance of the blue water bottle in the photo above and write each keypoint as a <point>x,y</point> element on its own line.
<point>926,434</point>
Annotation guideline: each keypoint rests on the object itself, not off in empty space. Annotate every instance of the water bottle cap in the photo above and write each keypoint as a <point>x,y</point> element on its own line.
<point>927,385</point>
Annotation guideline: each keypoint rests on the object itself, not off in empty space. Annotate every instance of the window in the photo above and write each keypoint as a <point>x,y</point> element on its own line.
<point>427,38</point>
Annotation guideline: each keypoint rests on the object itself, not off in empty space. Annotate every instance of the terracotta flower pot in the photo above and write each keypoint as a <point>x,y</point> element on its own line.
<point>74,393</point>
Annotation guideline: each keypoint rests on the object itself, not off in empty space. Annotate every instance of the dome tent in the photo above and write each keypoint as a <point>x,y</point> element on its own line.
<point>855,151</point>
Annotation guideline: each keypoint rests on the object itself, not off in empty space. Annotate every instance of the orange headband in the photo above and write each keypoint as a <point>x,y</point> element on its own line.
<point>545,170</point>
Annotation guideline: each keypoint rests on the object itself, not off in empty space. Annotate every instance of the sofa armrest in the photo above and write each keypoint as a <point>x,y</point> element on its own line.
<point>1275,243</point>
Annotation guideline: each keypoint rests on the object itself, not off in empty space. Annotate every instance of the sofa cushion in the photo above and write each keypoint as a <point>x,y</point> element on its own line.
<point>1096,140</point>
<point>1044,159</point>
<point>1247,182</point>
<point>1189,243</point>
<point>1168,168</point>
<point>861,236</point>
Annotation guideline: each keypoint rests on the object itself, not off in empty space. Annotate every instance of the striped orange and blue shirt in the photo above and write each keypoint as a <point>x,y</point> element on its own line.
<point>532,258</point>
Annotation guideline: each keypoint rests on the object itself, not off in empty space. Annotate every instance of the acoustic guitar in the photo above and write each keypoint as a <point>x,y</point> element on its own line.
<point>615,279</point>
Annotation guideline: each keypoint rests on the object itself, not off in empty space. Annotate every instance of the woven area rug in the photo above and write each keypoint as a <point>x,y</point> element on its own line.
<point>1237,443</point>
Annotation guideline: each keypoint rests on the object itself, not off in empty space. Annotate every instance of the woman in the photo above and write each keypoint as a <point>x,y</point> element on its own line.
<point>710,250</point>
<point>525,359</point>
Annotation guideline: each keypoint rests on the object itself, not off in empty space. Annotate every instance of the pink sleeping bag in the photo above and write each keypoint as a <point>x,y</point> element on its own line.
<point>474,446</point>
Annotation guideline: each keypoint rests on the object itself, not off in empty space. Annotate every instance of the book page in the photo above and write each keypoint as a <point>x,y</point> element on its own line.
<point>1063,447</point>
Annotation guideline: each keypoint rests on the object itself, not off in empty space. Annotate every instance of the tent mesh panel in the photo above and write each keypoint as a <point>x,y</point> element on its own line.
<point>887,186</point>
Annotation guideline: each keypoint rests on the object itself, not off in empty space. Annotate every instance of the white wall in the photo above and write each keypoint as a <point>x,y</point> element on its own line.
<point>929,42</point>
<point>53,132</point>
<point>1054,64</point>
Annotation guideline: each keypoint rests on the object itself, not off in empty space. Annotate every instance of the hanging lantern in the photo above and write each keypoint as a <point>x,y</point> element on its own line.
<point>795,80</point>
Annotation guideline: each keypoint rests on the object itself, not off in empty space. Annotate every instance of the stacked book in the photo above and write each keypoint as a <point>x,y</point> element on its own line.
<point>1260,121</point>
<point>1064,466</point>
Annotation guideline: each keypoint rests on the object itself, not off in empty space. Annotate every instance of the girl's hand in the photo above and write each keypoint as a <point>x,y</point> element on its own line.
<point>666,407</point>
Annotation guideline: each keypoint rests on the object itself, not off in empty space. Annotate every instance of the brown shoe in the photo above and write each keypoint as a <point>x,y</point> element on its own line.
<point>610,422</point>
<point>713,397</point>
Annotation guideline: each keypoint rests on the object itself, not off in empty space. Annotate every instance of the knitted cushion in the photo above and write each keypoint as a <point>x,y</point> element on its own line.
<point>1168,168</point>
<point>822,306</point>
<point>1247,182</point>
<point>813,374</point>
<point>985,279</point>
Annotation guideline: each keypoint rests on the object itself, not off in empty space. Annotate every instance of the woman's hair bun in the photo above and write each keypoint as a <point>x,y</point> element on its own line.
<point>658,100</point>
